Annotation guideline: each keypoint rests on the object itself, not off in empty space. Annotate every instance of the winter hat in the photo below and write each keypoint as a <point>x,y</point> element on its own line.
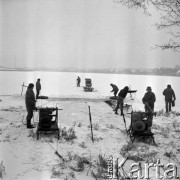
<point>31,85</point>
<point>126,87</point>
<point>148,88</point>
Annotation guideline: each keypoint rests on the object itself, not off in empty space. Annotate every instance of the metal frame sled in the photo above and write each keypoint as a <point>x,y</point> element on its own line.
<point>88,85</point>
<point>139,128</point>
<point>48,121</point>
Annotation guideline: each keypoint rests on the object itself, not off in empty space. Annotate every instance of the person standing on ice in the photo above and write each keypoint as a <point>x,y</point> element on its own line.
<point>38,88</point>
<point>78,81</point>
<point>149,100</point>
<point>115,89</point>
<point>30,104</point>
<point>120,99</point>
<point>169,97</point>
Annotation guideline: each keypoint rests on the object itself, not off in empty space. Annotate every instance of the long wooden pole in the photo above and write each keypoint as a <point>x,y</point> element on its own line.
<point>56,152</point>
<point>22,88</point>
<point>91,125</point>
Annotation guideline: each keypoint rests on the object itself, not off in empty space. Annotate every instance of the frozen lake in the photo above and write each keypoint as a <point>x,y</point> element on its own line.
<point>63,84</point>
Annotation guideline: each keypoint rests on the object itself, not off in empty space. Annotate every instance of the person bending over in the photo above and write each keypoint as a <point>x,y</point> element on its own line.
<point>115,89</point>
<point>120,99</point>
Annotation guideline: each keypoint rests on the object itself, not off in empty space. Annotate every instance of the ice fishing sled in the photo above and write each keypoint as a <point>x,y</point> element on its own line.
<point>48,121</point>
<point>88,85</point>
<point>139,127</point>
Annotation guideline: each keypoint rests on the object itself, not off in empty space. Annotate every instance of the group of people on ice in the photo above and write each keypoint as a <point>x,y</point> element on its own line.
<point>148,99</point>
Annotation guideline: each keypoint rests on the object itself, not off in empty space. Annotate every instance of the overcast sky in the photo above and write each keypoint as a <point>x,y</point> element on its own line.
<point>79,33</point>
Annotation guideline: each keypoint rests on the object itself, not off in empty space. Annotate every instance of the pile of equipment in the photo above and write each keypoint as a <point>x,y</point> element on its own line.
<point>48,121</point>
<point>139,127</point>
<point>88,85</point>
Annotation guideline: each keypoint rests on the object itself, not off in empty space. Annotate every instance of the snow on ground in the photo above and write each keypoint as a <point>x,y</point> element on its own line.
<point>26,158</point>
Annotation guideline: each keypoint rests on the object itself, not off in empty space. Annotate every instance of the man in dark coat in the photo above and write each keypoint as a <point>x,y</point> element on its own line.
<point>38,88</point>
<point>149,100</point>
<point>30,104</point>
<point>169,97</point>
<point>120,99</point>
<point>115,89</point>
<point>78,81</point>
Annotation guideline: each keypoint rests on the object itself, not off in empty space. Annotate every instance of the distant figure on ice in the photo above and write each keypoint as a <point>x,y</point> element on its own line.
<point>149,100</point>
<point>120,99</point>
<point>30,104</point>
<point>169,97</point>
<point>115,89</point>
<point>38,88</point>
<point>78,81</point>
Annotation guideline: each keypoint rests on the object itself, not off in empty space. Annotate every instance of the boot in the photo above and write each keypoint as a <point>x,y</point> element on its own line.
<point>30,126</point>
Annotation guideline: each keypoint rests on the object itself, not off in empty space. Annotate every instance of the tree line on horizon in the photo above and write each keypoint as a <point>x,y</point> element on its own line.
<point>173,71</point>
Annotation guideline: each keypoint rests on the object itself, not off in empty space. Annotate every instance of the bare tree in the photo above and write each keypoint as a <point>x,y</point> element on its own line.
<point>169,18</point>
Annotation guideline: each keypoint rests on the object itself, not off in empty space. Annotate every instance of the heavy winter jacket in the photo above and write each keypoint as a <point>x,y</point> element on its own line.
<point>115,88</point>
<point>123,92</point>
<point>149,97</point>
<point>38,86</point>
<point>30,98</point>
<point>169,93</point>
